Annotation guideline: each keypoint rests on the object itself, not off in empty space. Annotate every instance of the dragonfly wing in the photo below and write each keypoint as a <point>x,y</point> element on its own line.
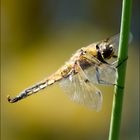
<point>81,90</point>
<point>105,74</point>
<point>115,39</point>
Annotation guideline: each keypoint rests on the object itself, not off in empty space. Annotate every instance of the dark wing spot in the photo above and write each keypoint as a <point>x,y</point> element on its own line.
<point>86,80</point>
<point>85,64</point>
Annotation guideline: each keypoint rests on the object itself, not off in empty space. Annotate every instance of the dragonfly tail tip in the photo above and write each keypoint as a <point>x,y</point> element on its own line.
<point>10,100</point>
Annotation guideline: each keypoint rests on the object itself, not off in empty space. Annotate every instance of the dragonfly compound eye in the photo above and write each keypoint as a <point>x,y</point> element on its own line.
<point>108,52</point>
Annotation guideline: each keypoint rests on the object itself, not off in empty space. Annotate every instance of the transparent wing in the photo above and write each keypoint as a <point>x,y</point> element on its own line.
<point>91,74</point>
<point>106,74</point>
<point>103,74</point>
<point>81,90</point>
<point>114,40</point>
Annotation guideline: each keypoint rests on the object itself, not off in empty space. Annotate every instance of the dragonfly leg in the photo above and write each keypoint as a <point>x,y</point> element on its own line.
<point>114,64</point>
<point>122,62</point>
<point>121,87</point>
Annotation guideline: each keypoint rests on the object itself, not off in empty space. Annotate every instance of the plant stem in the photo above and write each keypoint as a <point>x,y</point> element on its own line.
<point>122,55</point>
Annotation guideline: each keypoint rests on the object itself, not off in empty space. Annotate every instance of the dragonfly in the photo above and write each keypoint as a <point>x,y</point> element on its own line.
<point>95,64</point>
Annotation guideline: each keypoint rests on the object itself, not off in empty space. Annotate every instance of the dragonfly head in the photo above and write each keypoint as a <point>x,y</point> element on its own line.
<point>107,50</point>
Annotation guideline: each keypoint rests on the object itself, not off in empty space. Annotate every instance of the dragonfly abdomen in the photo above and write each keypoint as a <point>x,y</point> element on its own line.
<point>29,91</point>
<point>37,87</point>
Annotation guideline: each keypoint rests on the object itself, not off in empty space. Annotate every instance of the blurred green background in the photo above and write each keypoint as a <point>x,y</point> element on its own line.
<point>38,36</point>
